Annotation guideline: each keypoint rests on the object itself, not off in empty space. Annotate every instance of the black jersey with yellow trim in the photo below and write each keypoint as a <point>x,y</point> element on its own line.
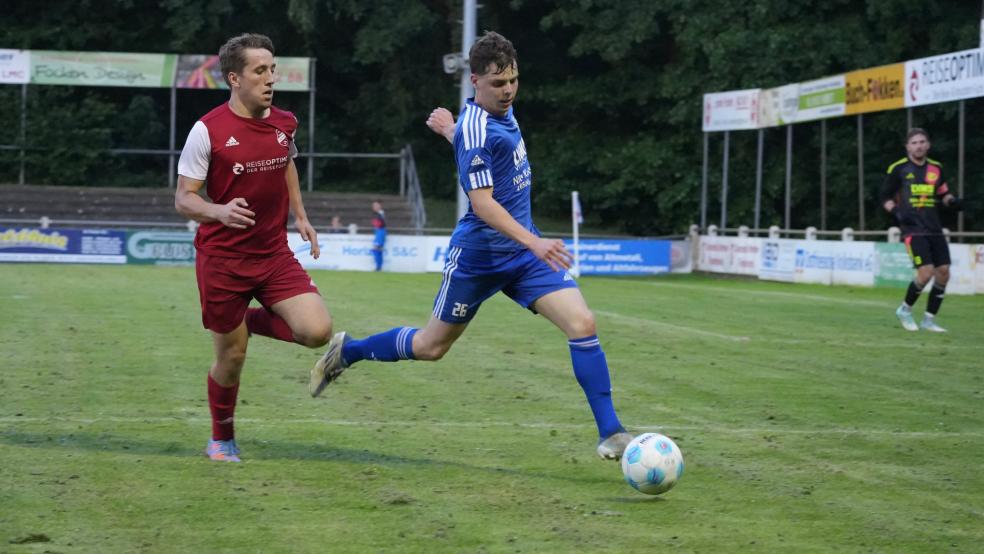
<point>918,190</point>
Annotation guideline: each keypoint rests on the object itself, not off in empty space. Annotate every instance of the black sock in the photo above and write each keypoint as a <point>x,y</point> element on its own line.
<point>912,294</point>
<point>935,299</point>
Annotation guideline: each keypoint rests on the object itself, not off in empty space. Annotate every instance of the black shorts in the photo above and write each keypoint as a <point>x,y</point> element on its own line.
<point>927,250</point>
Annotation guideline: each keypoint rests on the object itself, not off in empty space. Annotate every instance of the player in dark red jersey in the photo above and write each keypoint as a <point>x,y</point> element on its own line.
<point>913,191</point>
<point>244,150</point>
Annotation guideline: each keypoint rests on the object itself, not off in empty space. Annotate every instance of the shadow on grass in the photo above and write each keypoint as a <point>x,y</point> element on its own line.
<point>264,450</point>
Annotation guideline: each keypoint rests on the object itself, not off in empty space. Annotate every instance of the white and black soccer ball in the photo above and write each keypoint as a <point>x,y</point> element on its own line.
<point>652,463</point>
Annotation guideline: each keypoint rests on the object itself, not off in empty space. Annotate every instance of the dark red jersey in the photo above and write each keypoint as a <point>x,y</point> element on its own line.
<point>241,157</point>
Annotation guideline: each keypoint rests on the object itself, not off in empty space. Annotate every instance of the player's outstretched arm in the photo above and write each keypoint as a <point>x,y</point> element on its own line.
<point>442,122</point>
<point>233,214</point>
<point>301,223</point>
<point>551,251</point>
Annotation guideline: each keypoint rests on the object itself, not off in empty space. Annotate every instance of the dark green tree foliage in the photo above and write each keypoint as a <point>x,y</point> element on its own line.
<point>610,100</point>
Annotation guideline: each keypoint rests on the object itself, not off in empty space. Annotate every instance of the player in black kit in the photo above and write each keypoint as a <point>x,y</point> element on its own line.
<point>913,191</point>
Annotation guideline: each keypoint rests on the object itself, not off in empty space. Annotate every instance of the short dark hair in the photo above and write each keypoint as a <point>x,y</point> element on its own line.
<point>232,55</point>
<point>916,131</point>
<point>491,48</point>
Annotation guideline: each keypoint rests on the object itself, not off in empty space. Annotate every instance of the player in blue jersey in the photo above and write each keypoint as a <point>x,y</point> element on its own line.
<point>379,236</point>
<point>495,247</point>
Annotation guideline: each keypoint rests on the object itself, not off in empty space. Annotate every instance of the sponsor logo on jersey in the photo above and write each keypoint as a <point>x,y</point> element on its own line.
<point>237,168</point>
<point>519,154</point>
<point>910,176</point>
<point>476,161</point>
<point>232,142</point>
<point>281,138</point>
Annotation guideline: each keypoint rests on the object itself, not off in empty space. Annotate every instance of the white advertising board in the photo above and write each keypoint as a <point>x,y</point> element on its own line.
<point>732,110</point>
<point>962,269</point>
<point>944,78</point>
<point>402,253</point>
<point>820,99</point>
<point>978,250</point>
<point>835,262</point>
<point>15,66</point>
<point>778,260</point>
<point>734,255</point>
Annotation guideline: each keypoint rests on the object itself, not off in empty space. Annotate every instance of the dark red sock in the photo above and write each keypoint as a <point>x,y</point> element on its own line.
<point>222,404</point>
<point>261,321</point>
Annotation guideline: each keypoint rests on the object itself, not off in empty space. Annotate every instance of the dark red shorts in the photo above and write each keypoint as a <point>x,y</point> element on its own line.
<point>226,286</point>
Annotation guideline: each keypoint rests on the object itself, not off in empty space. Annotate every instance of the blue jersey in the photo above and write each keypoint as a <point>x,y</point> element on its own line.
<point>490,153</point>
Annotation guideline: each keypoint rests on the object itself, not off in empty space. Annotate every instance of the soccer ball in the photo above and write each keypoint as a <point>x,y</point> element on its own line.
<point>652,463</point>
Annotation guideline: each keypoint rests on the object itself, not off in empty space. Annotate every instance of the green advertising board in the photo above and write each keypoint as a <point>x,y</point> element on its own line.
<point>106,69</point>
<point>893,267</point>
<point>160,247</point>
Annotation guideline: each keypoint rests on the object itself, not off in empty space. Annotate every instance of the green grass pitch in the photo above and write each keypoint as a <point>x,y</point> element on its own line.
<point>809,421</point>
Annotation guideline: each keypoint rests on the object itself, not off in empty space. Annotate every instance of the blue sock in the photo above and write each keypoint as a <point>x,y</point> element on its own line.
<point>377,255</point>
<point>389,346</point>
<point>591,371</point>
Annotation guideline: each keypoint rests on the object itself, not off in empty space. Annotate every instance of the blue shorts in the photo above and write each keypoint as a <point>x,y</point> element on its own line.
<point>472,276</point>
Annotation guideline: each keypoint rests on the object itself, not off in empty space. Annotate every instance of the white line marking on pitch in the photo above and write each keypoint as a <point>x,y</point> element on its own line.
<point>673,326</point>
<point>704,429</point>
<point>753,292</point>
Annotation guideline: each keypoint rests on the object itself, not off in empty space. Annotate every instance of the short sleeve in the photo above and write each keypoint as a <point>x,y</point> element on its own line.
<point>196,154</point>
<point>942,189</point>
<point>475,170</point>
<point>293,135</point>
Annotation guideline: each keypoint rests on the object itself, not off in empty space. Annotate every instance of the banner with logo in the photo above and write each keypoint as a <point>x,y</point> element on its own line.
<point>978,252</point>
<point>962,269</point>
<point>821,99</point>
<point>90,246</point>
<point>402,253</point>
<point>733,255</point>
<point>198,71</point>
<point>778,106</point>
<point>102,69</point>
<point>893,268</point>
<point>160,247</point>
<point>681,260</point>
<point>944,78</point>
<point>731,111</point>
<point>15,66</point>
<point>835,263</point>
<point>778,260</point>
<point>875,89</point>
<point>622,257</point>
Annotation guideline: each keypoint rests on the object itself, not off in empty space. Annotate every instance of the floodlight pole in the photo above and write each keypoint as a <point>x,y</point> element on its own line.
<point>961,144</point>
<point>758,177</point>
<point>724,180</point>
<point>789,176</point>
<point>311,91</point>
<point>23,134</point>
<point>469,17</point>
<point>171,183</point>
<point>823,174</point>
<point>861,172</point>
<point>703,186</point>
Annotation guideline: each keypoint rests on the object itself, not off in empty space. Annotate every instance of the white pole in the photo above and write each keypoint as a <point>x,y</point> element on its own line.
<point>575,217</point>
<point>469,10</point>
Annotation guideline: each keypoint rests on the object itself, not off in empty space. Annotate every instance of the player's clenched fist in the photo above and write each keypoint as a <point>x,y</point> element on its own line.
<point>441,122</point>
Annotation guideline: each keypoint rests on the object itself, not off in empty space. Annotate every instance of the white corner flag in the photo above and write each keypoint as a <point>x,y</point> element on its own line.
<point>576,220</point>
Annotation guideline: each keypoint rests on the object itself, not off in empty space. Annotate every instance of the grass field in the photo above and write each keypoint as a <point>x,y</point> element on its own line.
<point>809,420</point>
